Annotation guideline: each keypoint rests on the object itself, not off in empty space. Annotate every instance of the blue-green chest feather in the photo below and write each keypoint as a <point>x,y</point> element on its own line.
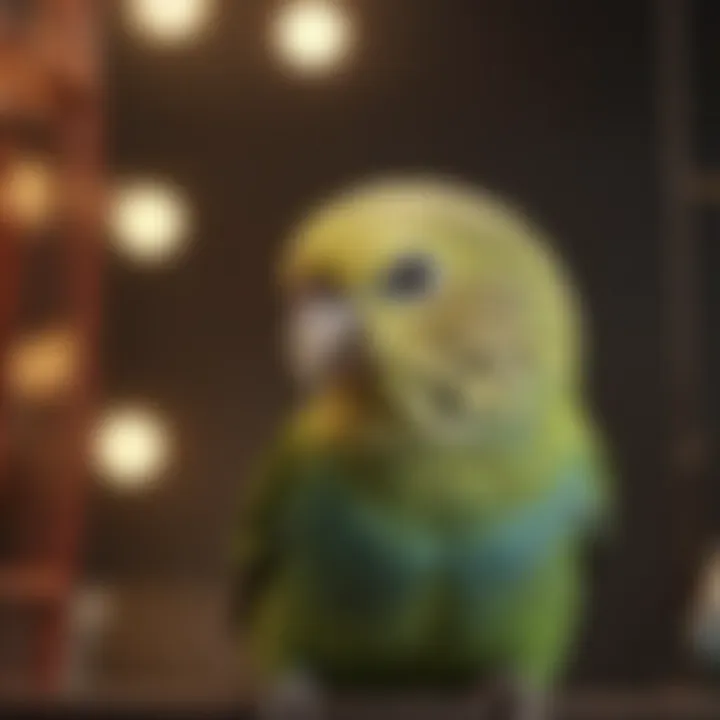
<point>362,558</point>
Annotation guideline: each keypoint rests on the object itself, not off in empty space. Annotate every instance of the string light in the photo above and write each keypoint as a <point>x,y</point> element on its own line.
<point>170,21</point>
<point>42,366</point>
<point>150,222</point>
<point>28,193</point>
<point>131,447</point>
<point>313,36</point>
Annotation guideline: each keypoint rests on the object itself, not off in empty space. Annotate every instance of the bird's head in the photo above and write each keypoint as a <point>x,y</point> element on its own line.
<point>447,304</point>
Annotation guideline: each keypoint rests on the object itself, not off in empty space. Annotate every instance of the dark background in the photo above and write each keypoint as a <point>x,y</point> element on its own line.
<point>549,102</point>
<point>706,60</point>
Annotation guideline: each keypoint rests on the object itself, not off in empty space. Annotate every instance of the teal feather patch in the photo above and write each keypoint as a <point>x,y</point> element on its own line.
<point>358,562</point>
<point>495,560</point>
<point>364,564</point>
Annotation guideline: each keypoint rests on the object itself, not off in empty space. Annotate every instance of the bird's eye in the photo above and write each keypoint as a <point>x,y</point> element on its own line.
<point>411,277</point>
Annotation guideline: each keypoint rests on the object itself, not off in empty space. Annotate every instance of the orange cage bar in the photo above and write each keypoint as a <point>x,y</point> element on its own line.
<point>50,257</point>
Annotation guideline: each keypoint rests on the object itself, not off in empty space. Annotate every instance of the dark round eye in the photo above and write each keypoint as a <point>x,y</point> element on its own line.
<point>411,277</point>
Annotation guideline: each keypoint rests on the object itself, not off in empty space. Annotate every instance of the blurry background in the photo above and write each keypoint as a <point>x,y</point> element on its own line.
<point>222,121</point>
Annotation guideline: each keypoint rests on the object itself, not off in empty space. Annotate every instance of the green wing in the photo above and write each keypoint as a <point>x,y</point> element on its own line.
<point>257,542</point>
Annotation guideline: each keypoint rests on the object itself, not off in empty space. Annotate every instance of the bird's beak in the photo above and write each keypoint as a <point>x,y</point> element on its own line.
<point>321,339</point>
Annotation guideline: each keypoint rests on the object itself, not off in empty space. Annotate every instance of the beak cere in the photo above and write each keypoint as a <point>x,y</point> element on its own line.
<point>321,335</point>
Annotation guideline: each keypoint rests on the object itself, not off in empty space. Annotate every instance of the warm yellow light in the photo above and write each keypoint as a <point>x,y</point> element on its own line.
<point>150,222</point>
<point>313,36</point>
<point>42,366</point>
<point>170,21</point>
<point>131,447</point>
<point>28,193</point>
<point>705,617</point>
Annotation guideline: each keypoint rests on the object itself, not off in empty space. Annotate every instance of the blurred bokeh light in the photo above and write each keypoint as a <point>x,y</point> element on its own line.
<point>313,36</point>
<point>41,365</point>
<point>150,222</point>
<point>131,447</point>
<point>705,618</point>
<point>28,193</point>
<point>169,21</point>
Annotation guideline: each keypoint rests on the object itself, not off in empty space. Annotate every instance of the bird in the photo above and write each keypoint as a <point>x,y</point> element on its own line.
<point>420,518</point>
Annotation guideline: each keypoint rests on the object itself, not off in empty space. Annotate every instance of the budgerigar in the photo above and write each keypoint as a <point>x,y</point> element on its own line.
<point>421,516</point>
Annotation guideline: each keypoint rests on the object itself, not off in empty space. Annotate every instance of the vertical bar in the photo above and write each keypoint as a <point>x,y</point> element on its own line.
<point>9,289</point>
<point>80,133</point>
<point>682,278</point>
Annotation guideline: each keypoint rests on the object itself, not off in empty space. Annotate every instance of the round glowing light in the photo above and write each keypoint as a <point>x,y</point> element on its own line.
<point>150,222</point>
<point>28,193</point>
<point>169,21</point>
<point>313,36</point>
<point>131,447</point>
<point>42,366</point>
<point>704,625</point>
